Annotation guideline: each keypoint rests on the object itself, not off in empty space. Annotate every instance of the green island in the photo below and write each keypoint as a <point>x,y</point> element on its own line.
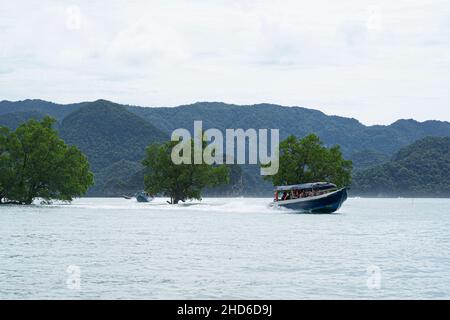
<point>421,169</point>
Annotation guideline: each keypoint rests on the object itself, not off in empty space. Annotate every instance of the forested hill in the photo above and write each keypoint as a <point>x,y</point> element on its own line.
<point>55,110</point>
<point>420,169</point>
<point>112,134</point>
<point>108,133</point>
<point>14,119</point>
<point>350,134</point>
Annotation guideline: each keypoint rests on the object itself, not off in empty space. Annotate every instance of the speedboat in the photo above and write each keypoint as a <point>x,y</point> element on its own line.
<point>143,196</point>
<point>316,197</point>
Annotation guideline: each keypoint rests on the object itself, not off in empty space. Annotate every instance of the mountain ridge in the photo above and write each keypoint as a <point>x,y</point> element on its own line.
<point>110,132</point>
<point>75,104</point>
<point>353,136</point>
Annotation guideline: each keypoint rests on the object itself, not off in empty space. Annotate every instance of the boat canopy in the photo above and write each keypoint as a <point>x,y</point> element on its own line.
<point>303,186</point>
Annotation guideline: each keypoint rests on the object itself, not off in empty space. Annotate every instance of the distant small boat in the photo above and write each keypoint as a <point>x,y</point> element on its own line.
<point>126,197</point>
<point>143,196</point>
<point>316,197</point>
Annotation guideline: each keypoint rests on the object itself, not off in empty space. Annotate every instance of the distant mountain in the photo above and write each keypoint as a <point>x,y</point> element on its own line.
<point>14,119</point>
<point>350,134</point>
<point>367,158</point>
<point>420,169</point>
<point>55,110</point>
<point>107,133</point>
<point>290,120</point>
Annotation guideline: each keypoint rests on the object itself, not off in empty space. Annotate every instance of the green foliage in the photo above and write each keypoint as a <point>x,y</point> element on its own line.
<point>7,173</point>
<point>179,182</point>
<point>35,162</point>
<point>307,160</point>
<point>420,169</point>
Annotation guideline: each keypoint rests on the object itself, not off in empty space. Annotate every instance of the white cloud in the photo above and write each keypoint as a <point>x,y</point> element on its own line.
<point>373,60</point>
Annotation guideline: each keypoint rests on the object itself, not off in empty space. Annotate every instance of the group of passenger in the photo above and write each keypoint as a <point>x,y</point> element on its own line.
<point>296,194</point>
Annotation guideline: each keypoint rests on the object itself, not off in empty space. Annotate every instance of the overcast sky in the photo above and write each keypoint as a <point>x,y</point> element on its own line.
<point>376,61</point>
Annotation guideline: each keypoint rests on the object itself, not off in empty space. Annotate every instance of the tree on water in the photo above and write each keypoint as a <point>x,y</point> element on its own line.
<point>36,163</point>
<point>179,181</point>
<point>308,160</point>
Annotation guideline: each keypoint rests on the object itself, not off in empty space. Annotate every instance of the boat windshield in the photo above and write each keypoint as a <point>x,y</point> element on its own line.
<point>306,186</point>
<point>290,193</point>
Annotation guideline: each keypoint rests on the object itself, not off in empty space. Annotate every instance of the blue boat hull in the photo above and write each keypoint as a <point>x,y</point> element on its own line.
<point>328,203</point>
<point>142,197</point>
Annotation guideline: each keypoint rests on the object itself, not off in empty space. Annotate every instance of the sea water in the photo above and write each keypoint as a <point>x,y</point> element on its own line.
<point>227,248</point>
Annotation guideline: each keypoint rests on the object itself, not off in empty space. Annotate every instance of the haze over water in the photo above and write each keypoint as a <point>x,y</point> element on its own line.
<point>225,248</point>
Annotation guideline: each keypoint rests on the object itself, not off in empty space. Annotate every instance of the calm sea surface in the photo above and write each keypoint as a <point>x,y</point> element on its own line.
<point>225,248</point>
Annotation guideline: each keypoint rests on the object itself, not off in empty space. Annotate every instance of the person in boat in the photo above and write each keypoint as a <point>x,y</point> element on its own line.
<point>283,197</point>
